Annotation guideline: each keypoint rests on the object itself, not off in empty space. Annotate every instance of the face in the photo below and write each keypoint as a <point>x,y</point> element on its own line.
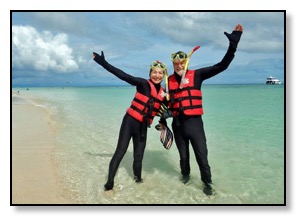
<point>156,75</point>
<point>179,66</point>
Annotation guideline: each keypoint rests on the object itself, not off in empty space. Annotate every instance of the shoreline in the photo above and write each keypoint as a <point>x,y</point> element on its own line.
<point>34,179</point>
<point>86,136</point>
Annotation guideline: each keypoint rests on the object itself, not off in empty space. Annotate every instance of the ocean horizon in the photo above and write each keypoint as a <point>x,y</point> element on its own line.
<point>15,86</point>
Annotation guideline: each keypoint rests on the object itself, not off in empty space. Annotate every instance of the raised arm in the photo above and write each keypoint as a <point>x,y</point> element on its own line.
<point>100,59</point>
<point>234,39</point>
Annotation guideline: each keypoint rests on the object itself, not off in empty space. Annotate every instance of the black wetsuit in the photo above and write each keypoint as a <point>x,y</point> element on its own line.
<point>190,128</point>
<point>130,128</point>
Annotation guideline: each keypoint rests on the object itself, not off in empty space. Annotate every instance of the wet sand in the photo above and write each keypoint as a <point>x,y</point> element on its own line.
<point>34,179</point>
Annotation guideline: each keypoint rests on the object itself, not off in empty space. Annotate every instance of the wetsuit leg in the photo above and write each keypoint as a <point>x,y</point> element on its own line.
<point>139,142</point>
<point>125,134</point>
<point>183,147</point>
<point>195,131</point>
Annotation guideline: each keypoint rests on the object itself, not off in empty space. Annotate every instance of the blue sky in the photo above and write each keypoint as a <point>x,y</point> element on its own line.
<point>55,48</point>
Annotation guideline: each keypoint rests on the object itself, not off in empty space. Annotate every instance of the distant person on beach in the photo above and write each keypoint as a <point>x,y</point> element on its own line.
<point>185,106</point>
<point>138,117</point>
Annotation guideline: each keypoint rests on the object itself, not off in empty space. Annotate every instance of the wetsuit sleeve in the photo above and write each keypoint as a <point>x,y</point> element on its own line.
<point>211,71</point>
<point>136,81</point>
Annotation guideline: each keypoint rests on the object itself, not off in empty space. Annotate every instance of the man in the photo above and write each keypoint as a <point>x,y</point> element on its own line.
<point>185,106</point>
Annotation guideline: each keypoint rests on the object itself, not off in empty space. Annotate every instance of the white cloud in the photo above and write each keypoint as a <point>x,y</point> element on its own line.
<point>41,51</point>
<point>263,31</point>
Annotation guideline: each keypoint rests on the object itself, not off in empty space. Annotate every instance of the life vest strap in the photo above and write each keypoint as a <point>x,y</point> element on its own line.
<point>181,109</point>
<point>142,112</point>
<point>188,98</point>
<point>139,101</point>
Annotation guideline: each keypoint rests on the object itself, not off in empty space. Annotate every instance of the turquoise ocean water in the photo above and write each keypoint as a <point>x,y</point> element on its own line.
<point>244,126</point>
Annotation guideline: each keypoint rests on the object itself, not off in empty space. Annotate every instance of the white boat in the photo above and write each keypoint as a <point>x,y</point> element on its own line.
<point>272,81</point>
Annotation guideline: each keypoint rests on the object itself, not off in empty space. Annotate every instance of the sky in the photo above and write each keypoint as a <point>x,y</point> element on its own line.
<point>55,48</point>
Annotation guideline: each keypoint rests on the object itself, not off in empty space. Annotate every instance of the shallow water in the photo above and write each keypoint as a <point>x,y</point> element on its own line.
<point>244,126</point>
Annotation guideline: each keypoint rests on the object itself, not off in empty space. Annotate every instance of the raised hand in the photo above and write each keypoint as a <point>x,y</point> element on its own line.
<point>235,36</point>
<point>100,59</point>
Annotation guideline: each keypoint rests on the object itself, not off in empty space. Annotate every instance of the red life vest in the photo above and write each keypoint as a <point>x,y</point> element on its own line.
<point>144,108</point>
<point>188,99</point>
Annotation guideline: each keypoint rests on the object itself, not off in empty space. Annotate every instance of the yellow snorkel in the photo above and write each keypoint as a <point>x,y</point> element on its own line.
<point>186,65</point>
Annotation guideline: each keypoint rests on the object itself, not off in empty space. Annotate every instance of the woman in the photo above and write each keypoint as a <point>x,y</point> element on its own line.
<point>138,117</point>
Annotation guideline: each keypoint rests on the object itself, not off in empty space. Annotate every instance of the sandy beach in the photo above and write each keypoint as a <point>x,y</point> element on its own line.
<point>63,140</point>
<point>33,175</point>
